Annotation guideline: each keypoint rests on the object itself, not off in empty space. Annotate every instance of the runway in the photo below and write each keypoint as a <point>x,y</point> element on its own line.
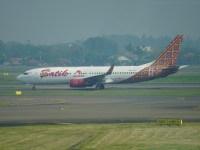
<point>68,106</point>
<point>121,86</point>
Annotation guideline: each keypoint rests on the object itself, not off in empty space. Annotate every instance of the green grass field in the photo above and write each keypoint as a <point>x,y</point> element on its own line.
<point>145,136</point>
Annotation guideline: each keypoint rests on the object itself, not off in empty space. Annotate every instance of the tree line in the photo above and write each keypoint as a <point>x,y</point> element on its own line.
<point>102,50</point>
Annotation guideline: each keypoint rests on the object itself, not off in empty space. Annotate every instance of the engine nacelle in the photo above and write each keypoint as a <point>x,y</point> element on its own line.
<point>77,83</point>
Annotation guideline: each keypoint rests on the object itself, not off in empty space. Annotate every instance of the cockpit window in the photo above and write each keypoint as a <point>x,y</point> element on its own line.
<point>25,73</point>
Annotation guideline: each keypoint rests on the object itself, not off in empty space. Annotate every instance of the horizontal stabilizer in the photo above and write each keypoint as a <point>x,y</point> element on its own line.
<point>183,66</point>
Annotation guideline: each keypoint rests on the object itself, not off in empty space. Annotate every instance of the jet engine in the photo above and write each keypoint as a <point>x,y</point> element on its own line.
<point>77,83</point>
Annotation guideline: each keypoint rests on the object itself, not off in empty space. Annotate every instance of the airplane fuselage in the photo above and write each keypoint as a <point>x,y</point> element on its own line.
<point>63,75</point>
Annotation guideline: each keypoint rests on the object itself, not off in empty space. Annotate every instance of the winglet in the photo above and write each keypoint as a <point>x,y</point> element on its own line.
<point>110,70</point>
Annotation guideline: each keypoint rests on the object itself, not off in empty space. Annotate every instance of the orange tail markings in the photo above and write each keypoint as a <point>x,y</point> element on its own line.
<point>169,56</point>
<point>164,65</point>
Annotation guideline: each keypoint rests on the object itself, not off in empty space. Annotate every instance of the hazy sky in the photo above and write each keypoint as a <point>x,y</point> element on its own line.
<point>56,21</point>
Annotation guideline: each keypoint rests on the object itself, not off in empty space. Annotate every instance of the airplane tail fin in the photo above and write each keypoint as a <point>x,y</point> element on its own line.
<point>169,56</point>
<point>164,65</point>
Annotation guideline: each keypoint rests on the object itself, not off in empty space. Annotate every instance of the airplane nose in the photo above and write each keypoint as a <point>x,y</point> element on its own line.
<point>19,77</point>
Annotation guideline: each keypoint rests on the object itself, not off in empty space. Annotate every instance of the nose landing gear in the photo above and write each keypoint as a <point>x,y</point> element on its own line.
<point>33,87</point>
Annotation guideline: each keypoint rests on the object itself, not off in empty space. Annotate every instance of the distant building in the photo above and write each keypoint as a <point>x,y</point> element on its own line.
<point>15,61</point>
<point>146,48</point>
<point>123,58</point>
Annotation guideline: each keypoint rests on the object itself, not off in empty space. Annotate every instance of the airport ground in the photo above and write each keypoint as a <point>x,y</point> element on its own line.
<point>129,111</point>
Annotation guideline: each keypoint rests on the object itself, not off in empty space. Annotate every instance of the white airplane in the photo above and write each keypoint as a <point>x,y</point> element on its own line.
<point>78,77</point>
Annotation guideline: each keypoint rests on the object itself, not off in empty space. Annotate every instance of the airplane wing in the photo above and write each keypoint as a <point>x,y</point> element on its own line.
<point>90,81</point>
<point>99,78</point>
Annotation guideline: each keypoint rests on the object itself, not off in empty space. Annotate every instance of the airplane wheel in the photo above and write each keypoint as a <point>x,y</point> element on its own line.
<point>100,86</point>
<point>34,87</point>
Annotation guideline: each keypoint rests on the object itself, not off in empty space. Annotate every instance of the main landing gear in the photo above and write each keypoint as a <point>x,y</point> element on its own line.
<point>100,86</point>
